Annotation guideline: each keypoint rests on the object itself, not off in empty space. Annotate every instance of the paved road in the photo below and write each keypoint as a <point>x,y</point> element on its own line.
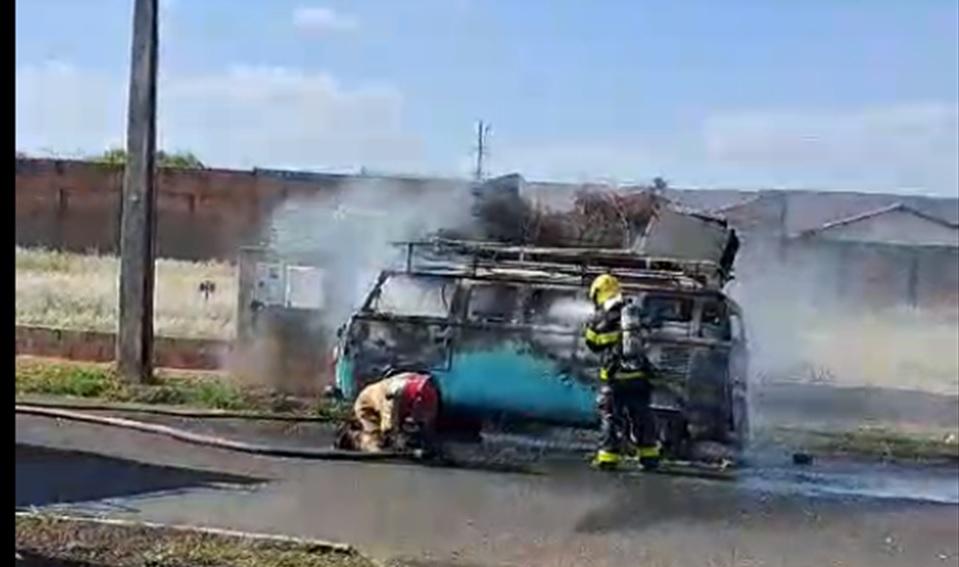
<point>468,518</point>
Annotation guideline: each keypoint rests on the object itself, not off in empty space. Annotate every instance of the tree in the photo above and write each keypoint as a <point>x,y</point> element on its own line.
<point>176,160</point>
<point>181,160</point>
<point>113,156</point>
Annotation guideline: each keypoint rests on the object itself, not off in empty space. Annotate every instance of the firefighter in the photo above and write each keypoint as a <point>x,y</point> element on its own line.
<point>396,412</point>
<point>625,388</point>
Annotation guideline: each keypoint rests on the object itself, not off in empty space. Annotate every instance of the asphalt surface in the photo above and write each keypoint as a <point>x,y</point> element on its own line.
<point>437,517</point>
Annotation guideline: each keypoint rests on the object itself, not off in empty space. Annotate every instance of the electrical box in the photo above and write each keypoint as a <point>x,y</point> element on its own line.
<point>304,287</point>
<point>270,286</point>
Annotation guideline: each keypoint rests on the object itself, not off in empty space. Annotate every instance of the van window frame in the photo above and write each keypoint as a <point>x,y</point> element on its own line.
<point>516,313</point>
<point>371,305</point>
<point>724,318</point>
<point>527,315</point>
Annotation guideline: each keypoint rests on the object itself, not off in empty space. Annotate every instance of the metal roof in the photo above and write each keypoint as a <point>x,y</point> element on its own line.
<point>878,212</point>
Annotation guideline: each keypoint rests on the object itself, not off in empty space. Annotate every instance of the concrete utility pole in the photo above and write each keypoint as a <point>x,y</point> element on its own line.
<point>482,130</point>
<point>134,344</point>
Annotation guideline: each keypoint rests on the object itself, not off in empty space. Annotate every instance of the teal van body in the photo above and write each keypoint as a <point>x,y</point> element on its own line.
<point>506,343</point>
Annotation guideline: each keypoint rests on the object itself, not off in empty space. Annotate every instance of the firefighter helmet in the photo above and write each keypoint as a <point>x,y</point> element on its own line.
<point>604,288</point>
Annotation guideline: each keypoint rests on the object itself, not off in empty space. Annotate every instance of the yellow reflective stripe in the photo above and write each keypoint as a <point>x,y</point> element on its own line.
<point>621,375</point>
<point>633,375</point>
<point>602,339</point>
<point>604,374</point>
<point>606,457</point>
<point>648,452</point>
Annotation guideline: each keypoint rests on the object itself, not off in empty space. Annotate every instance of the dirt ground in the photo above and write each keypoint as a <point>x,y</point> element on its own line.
<point>42,540</point>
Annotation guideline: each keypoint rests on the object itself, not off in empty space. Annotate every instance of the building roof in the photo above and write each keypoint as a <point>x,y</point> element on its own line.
<point>802,211</point>
<point>878,212</point>
<point>710,200</point>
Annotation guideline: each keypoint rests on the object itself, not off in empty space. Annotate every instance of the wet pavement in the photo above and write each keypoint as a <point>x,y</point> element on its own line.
<point>571,516</point>
<point>47,475</point>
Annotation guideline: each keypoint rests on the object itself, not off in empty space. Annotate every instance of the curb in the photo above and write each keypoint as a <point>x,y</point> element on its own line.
<point>307,542</point>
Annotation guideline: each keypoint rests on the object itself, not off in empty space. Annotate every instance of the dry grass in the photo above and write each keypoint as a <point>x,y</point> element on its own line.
<point>77,291</point>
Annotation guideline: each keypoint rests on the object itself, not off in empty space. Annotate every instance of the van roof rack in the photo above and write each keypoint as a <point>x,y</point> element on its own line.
<point>470,258</point>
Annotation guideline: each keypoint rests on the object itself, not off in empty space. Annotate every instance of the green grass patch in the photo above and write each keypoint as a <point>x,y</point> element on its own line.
<point>67,379</point>
<point>877,442</point>
<point>90,542</point>
<point>86,380</point>
<point>91,381</point>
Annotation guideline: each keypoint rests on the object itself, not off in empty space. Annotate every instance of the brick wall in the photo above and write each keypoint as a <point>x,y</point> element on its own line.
<point>201,214</point>
<point>193,354</point>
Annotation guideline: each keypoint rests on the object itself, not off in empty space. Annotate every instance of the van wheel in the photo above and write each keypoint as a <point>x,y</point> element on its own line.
<point>462,429</point>
<point>675,437</point>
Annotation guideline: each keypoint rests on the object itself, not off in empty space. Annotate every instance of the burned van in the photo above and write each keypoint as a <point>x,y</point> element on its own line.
<point>500,329</point>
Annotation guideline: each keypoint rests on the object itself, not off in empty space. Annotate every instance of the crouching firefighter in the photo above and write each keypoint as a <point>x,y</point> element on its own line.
<point>625,388</point>
<point>398,413</point>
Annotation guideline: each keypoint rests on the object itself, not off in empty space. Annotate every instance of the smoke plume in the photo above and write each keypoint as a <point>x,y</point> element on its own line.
<point>351,234</point>
<point>801,329</point>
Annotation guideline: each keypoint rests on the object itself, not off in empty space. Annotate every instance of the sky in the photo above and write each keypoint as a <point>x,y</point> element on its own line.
<point>830,94</point>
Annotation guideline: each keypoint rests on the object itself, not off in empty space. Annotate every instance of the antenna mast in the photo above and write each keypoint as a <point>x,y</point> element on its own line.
<point>482,132</point>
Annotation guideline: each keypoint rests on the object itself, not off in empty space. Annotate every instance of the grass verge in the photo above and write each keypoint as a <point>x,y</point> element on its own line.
<point>876,442</point>
<point>111,545</point>
<point>92,381</point>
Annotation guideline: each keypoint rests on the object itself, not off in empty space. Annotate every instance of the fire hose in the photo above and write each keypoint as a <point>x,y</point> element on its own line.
<point>254,448</point>
<point>209,440</point>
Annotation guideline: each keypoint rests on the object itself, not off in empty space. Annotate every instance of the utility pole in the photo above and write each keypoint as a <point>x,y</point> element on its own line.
<point>482,130</point>
<point>134,343</point>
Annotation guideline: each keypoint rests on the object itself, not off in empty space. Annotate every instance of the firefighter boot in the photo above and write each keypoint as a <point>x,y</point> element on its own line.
<point>605,460</point>
<point>649,456</point>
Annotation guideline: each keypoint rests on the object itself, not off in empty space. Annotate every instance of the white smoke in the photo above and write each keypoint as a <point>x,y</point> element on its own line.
<point>570,311</point>
<point>351,234</point>
<point>801,330</point>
